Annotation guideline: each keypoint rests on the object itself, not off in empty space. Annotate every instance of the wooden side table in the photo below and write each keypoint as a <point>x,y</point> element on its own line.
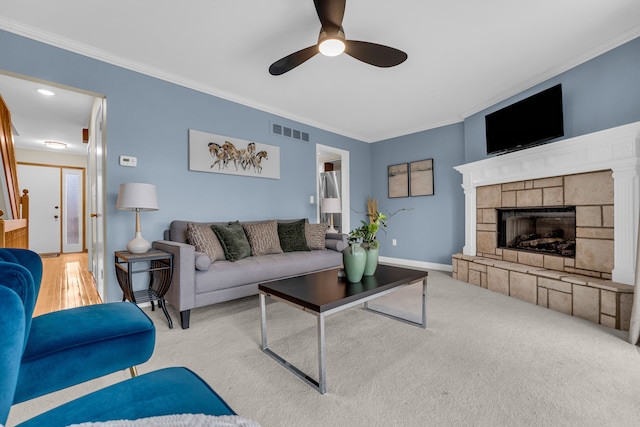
<point>160,269</point>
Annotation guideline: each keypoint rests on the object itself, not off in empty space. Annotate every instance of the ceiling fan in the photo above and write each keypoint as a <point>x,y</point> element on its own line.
<point>332,42</point>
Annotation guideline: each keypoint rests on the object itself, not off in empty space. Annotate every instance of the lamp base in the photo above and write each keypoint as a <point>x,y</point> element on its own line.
<point>331,230</point>
<point>138,245</point>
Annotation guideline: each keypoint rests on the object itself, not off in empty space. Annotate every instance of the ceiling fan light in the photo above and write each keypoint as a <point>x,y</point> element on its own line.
<point>331,46</point>
<point>55,144</point>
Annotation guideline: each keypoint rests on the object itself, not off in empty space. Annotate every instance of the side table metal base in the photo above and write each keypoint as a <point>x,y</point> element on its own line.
<point>150,295</point>
<point>160,271</point>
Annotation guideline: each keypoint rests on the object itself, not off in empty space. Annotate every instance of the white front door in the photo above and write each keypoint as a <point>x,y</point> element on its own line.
<point>43,183</point>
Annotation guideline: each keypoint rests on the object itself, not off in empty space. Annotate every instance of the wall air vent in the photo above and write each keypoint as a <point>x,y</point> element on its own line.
<point>288,132</point>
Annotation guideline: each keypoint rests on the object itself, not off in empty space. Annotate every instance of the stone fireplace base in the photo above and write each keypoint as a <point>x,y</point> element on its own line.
<point>598,300</point>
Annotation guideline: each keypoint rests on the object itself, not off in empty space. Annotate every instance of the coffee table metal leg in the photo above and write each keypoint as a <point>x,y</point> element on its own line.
<point>263,315</point>
<point>422,323</point>
<point>424,303</point>
<point>321,384</point>
<point>322,361</point>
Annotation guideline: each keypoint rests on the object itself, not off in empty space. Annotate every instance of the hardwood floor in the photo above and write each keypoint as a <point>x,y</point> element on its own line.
<point>66,283</point>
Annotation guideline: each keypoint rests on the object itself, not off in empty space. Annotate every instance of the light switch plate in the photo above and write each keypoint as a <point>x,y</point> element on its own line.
<point>129,161</point>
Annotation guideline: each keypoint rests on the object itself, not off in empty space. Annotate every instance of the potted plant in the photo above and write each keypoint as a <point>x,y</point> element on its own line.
<point>365,235</point>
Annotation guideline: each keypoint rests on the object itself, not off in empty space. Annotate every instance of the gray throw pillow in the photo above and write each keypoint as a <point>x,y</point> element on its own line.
<point>315,235</point>
<point>292,236</point>
<point>204,239</point>
<point>202,261</point>
<point>233,240</point>
<point>263,237</point>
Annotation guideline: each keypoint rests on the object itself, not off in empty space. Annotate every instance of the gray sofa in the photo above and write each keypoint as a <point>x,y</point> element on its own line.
<point>199,281</point>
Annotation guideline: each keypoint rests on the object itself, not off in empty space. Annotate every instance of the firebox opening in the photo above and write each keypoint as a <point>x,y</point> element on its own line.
<point>549,230</point>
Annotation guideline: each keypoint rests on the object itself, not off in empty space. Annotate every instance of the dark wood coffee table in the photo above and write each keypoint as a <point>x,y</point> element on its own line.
<point>325,293</point>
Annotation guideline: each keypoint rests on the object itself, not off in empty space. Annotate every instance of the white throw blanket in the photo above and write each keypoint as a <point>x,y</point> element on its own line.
<point>182,420</point>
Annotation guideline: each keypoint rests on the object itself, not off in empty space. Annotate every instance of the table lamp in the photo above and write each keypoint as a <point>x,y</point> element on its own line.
<point>137,197</point>
<point>331,206</point>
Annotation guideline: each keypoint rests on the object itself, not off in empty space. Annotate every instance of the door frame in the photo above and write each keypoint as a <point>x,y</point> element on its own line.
<point>344,183</point>
<point>100,181</point>
<point>96,194</point>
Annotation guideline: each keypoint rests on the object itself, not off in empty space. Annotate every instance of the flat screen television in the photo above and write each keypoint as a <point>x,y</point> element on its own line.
<point>531,121</point>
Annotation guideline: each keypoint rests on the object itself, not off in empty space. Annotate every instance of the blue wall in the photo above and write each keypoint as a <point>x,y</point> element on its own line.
<point>150,118</point>
<point>601,93</point>
<point>433,228</point>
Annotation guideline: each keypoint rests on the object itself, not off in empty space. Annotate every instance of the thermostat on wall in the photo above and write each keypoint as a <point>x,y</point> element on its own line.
<point>128,161</point>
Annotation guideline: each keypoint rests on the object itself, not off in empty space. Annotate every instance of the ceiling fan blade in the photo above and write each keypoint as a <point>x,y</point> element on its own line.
<point>330,13</point>
<point>290,62</point>
<point>375,54</point>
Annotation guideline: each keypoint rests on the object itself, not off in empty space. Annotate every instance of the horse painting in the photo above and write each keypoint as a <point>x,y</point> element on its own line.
<point>245,157</point>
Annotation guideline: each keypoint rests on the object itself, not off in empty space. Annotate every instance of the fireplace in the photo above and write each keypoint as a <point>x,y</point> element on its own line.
<point>616,150</point>
<point>548,230</point>
<point>596,175</point>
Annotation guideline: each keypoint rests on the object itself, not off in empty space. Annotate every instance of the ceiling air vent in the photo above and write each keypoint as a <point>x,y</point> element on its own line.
<point>288,132</point>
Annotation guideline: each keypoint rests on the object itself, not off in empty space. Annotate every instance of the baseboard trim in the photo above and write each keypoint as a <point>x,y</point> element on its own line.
<point>415,264</point>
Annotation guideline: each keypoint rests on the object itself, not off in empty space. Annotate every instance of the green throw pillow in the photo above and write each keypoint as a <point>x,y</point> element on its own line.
<point>233,240</point>
<point>291,235</point>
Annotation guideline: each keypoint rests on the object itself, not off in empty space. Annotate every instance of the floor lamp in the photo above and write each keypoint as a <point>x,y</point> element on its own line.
<point>137,197</point>
<point>331,206</point>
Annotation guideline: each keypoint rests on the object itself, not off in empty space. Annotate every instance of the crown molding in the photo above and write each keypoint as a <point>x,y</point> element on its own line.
<point>104,56</point>
<point>109,58</point>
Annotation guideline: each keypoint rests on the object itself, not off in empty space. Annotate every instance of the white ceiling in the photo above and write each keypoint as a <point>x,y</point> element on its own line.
<point>464,55</point>
<point>37,118</point>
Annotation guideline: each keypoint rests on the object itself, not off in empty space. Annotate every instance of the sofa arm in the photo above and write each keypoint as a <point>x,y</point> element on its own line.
<point>181,293</point>
<point>335,241</point>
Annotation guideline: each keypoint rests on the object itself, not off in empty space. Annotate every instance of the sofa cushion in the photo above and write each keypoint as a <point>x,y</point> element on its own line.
<point>263,237</point>
<point>259,269</point>
<point>233,240</point>
<point>315,236</point>
<point>205,240</point>
<point>291,235</point>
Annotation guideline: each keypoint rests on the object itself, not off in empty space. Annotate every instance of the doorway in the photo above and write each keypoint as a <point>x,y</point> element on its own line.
<point>327,154</point>
<point>76,118</point>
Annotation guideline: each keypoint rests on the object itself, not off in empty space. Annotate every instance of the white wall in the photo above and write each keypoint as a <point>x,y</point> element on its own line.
<point>50,157</point>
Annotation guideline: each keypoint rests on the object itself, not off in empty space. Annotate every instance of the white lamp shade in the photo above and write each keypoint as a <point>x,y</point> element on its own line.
<point>331,205</point>
<point>136,196</point>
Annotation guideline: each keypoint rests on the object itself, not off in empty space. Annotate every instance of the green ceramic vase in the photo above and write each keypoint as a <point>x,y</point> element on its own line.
<point>372,261</point>
<point>354,259</point>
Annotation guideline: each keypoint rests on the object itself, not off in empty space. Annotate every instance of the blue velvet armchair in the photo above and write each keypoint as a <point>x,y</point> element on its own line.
<point>163,392</point>
<point>71,346</point>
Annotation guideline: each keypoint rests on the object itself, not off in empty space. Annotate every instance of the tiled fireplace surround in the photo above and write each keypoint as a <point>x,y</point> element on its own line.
<point>597,173</point>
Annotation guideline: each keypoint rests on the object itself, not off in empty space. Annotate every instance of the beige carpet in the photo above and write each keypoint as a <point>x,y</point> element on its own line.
<point>484,360</point>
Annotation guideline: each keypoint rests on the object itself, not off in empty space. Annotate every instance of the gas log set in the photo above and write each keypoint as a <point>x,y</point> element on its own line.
<point>547,230</point>
<point>551,243</point>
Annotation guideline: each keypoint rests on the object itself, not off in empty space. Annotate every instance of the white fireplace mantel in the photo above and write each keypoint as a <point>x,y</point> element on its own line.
<point>616,148</point>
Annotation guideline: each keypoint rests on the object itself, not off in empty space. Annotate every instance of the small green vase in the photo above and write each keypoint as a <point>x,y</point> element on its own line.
<point>354,259</point>
<point>372,261</point>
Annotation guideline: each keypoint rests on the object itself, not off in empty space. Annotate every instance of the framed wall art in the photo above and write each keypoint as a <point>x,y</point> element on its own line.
<point>209,152</point>
<point>398,180</point>
<point>421,178</point>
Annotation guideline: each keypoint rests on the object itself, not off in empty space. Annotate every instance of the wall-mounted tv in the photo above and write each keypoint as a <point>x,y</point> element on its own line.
<point>531,121</point>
